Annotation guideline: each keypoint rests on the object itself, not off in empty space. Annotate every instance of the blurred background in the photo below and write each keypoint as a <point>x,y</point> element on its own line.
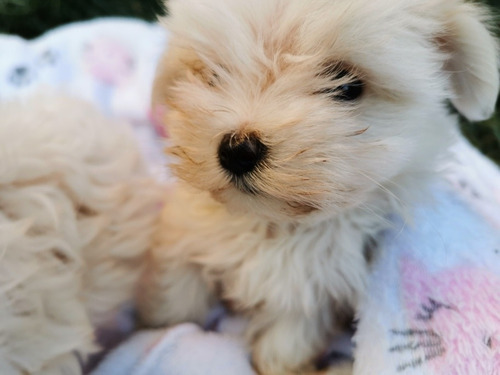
<point>30,18</point>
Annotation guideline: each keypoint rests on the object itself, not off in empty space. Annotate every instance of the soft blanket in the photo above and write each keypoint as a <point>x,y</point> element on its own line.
<point>433,304</point>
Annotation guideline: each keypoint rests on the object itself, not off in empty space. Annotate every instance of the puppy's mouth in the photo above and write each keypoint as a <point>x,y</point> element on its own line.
<point>243,184</point>
<point>238,183</point>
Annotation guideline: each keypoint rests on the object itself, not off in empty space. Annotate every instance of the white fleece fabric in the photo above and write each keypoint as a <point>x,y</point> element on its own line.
<point>433,304</point>
<point>184,349</point>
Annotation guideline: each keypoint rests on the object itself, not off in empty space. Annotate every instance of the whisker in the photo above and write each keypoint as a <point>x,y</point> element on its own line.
<point>367,209</point>
<point>384,188</point>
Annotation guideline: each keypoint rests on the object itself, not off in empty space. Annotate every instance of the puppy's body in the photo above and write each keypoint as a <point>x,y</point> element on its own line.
<point>288,279</point>
<point>299,126</point>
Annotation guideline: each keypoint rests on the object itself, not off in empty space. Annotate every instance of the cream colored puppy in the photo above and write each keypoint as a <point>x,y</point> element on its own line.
<point>298,127</point>
<point>77,214</point>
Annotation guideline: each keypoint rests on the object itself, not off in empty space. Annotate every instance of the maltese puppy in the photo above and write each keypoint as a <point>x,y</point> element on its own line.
<point>78,210</point>
<point>298,127</point>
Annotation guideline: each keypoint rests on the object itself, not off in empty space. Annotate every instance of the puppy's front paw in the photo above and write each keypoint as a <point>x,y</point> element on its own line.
<point>278,352</point>
<point>270,361</point>
<point>173,295</point>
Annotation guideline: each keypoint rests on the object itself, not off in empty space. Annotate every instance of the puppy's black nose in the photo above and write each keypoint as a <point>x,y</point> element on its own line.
<point>240,154</point>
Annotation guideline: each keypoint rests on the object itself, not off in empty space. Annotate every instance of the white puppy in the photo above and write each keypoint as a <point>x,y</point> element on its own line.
<point>298,127</point>
<point>77,213</point>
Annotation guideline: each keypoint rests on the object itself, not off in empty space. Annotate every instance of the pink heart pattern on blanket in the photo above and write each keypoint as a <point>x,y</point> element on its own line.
<point>455,315</point>
<point>109,61</point>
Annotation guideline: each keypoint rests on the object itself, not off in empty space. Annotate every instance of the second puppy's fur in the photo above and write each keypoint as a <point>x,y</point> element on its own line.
<point>298,127</point>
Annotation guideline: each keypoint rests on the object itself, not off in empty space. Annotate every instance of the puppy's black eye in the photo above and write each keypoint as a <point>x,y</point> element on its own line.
<point>349,91</point>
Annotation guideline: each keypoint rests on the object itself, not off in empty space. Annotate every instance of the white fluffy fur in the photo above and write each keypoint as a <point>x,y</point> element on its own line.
<point>77,212</point>
<point>291,255</point>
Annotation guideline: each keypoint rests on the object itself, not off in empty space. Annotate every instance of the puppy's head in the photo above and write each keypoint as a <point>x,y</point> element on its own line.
<point>287,107</point>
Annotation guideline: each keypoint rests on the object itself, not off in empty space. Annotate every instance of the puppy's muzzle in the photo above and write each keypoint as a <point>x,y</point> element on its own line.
<point>240,154</point>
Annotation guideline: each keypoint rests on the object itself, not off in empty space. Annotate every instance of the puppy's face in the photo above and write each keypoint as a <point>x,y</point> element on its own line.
<point>288,107</point>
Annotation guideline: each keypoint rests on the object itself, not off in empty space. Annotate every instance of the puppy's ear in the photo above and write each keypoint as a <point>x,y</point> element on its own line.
<point>473,59</point>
